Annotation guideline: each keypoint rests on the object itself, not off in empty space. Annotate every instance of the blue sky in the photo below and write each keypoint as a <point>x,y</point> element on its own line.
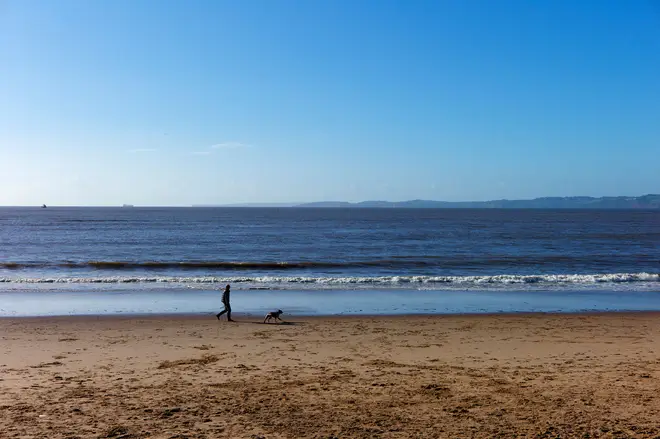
<point>178,103</point>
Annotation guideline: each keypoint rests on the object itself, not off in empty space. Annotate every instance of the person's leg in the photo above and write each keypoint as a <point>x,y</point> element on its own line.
<point>221,312</point>
<point>229,313</point>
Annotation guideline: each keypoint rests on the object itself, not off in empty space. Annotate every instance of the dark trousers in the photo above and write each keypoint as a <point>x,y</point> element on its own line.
<point>226,310</point>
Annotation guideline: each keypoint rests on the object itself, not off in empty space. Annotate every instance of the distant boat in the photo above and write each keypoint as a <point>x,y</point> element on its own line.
<point>43,206</point>
<point>127,205</point>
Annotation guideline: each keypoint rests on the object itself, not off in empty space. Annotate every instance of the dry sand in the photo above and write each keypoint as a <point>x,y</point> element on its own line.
<point>537,376</point>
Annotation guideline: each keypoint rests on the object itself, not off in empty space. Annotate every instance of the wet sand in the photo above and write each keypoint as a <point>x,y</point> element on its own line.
<point>540,376</point>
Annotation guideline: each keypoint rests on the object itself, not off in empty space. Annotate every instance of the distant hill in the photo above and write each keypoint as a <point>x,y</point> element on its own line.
<point>329,204</point>
<point>248,205</point>
<point>651,201</point>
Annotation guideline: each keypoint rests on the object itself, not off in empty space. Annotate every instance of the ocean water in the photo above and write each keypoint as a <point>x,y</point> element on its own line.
<point>181,254</point>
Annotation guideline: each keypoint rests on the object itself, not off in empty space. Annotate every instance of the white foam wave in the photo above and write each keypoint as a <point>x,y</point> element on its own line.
<point>504,279</point>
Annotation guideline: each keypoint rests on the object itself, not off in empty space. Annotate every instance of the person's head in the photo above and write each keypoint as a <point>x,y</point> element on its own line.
<point>227,287</point>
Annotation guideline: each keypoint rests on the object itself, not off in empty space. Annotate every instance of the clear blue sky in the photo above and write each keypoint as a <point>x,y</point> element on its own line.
<point>111,102</point>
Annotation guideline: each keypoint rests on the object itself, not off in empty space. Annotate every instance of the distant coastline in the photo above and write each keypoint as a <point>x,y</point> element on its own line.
<point>650,201</point>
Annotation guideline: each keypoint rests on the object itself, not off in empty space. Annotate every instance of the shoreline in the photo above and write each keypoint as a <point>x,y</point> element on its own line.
<point>321,303</point>
<point>254,318</point>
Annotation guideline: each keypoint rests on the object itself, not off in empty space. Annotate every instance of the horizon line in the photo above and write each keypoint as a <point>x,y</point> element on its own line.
<point>294,204</point>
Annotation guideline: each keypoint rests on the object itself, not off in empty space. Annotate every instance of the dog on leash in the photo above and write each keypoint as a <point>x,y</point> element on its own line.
<point>273,315</point>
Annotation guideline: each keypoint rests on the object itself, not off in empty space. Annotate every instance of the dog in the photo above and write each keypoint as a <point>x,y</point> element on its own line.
<point>273,315</point>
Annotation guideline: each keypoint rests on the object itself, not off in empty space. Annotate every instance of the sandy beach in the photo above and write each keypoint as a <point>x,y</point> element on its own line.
<point>540,376</point>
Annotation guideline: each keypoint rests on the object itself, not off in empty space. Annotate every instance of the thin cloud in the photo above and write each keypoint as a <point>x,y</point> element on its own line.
<point>219,146</point>
<point>230,145</point>
<point>143,150</point>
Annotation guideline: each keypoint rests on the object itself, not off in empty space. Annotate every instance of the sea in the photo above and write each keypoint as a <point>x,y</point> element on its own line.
<point>326,261</point>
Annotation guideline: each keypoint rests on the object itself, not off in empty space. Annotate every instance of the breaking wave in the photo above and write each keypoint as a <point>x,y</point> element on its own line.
<point>393,281</point>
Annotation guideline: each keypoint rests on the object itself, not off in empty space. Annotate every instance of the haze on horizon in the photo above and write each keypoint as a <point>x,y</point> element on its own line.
<point>223,102</point>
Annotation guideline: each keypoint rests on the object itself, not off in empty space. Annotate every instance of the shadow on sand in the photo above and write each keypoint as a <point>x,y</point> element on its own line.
<point>271,324</point>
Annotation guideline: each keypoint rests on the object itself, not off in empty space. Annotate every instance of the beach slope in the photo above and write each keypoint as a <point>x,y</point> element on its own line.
<point>541,376</point>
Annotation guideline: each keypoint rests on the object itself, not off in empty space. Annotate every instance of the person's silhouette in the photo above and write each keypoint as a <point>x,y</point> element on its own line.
<point>225,302</point>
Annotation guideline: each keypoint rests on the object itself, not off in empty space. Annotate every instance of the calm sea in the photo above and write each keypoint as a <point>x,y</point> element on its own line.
<point>288,248</point>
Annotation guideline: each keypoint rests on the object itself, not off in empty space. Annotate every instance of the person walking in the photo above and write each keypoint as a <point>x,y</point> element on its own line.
<point>225,302</point>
